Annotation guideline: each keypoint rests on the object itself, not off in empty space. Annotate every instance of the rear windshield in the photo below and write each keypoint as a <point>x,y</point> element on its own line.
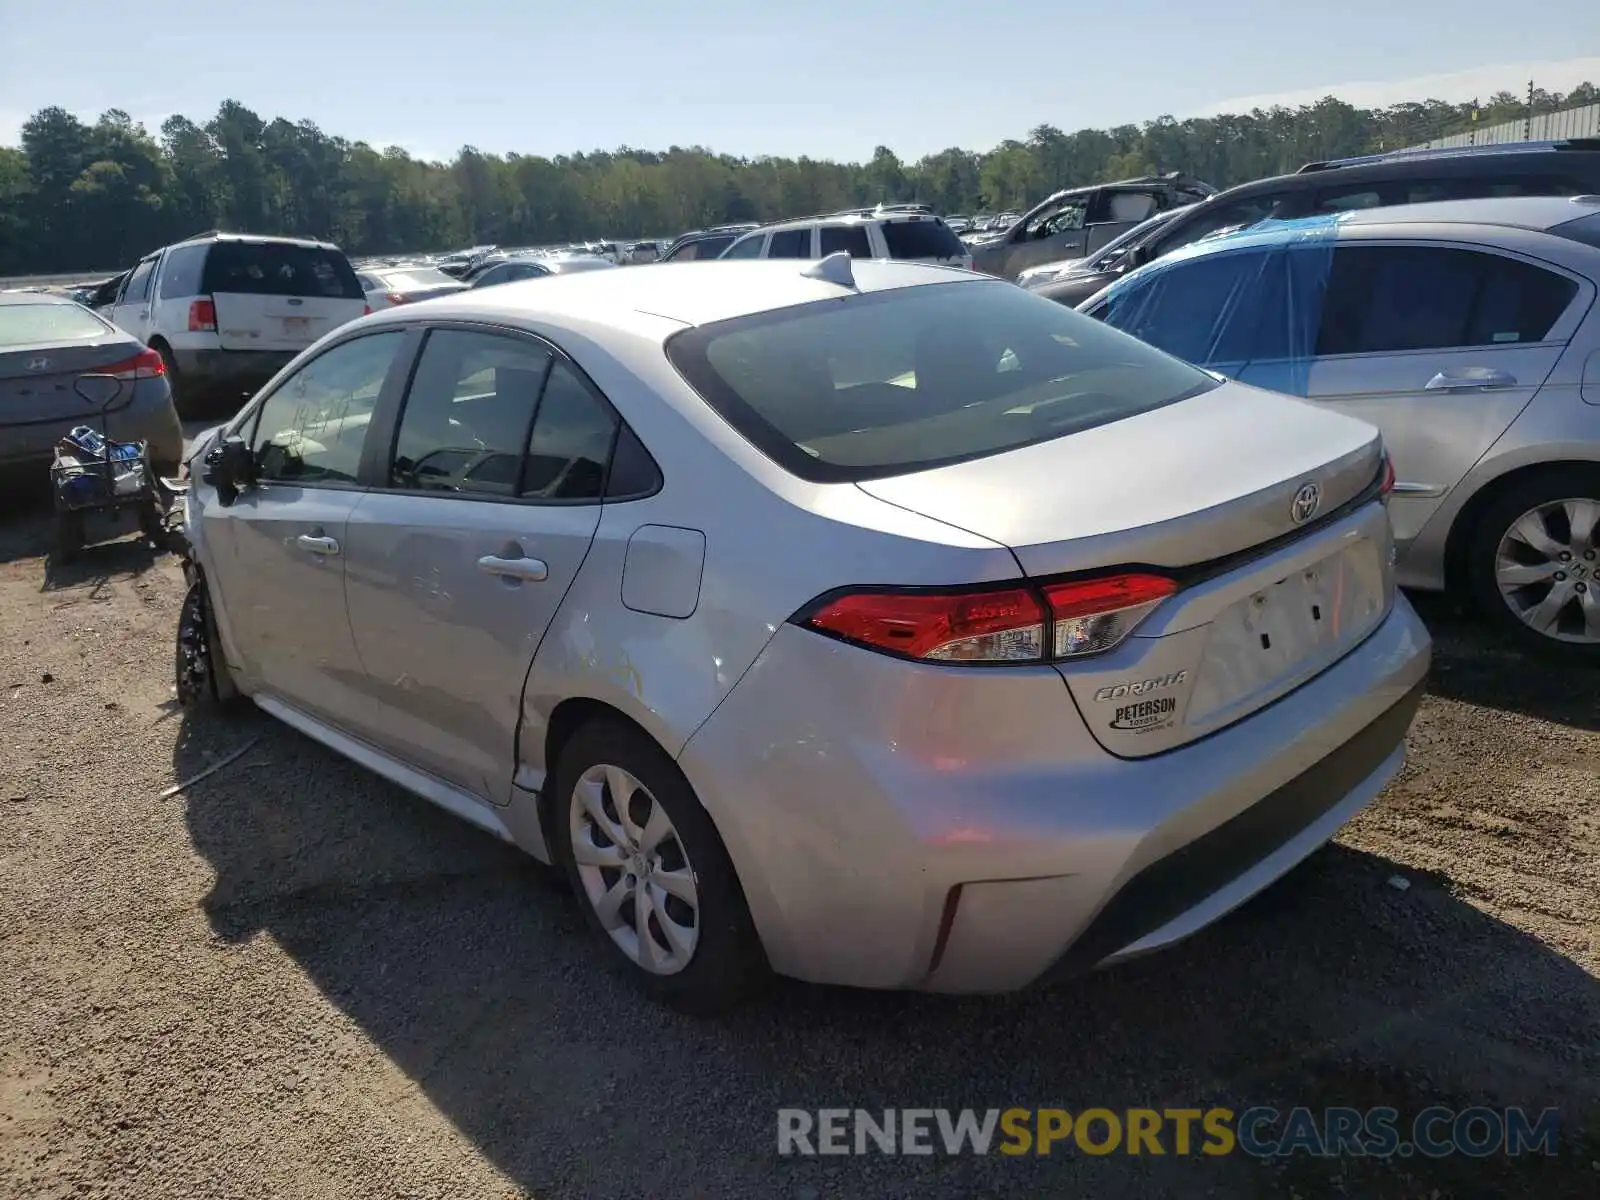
<point>280,269</point>
<point>416,280</point>
<point>921,239</point>
<point>41,324</point>
<point>1584,229</point>
<point>890,382</point>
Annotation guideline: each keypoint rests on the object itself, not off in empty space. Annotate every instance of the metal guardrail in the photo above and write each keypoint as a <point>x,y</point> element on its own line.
<point>68,280</point>
<point>1549,127</point>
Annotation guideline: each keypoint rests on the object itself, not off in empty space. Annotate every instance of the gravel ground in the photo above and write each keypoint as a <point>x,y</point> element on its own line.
<point>294,980</point>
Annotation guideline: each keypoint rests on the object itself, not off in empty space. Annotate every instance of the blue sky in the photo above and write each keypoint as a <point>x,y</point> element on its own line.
<point>827,78</point>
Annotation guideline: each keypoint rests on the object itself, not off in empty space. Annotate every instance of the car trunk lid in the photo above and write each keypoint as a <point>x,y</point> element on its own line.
<point>37,402</point>
<point>1248,499</point>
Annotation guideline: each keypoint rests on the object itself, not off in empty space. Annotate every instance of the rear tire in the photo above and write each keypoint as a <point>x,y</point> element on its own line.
<point>1534,570</point>
<point>699,955</point>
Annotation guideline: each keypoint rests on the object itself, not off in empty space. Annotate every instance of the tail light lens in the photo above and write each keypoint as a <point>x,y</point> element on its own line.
<point>202,316</point>
<point>366,310</point>
<point>993,625</point>
<point>1387,486</point>
<point>146,364</point>
<point>1091,615</point>
<point>395,297</point>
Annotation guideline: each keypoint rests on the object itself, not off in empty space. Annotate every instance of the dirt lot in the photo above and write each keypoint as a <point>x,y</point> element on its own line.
<point>294,980</point>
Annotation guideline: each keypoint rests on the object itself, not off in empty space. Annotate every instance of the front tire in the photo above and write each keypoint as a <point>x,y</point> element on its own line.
<point>200,677</point>
<point>650,872</point>
<point>1533,563</point>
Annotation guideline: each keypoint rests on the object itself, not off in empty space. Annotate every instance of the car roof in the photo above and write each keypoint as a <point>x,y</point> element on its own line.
<point>253,239</point>
<point>718,291</point>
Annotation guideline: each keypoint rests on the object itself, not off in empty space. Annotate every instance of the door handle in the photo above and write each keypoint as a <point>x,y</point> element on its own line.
<point>317,545</point>
<point>531,569</point>
<point>1459,379</point>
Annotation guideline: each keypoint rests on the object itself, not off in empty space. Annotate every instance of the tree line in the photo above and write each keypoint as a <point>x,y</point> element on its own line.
<point>78,196</point>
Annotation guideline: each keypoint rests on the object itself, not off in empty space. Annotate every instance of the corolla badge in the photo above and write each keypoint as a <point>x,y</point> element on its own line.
<point>36,364</point>
<point>1305,504</point>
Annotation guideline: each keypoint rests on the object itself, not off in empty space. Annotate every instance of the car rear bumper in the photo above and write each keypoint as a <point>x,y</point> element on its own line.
<point>901,825</point>
<point>244,370</point>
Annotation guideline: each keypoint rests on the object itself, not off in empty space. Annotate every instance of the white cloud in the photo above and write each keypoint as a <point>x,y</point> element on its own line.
<point>1457,86</point>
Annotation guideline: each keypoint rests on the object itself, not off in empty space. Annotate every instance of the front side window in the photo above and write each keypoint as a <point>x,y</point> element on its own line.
<point>467,413</point>
<point>746,247</point>
<point>1331,201</point>
<point>181,270</point>
<point>1387,298</point>
<point>790,243</point>
<point>884,383</point>
<point>1201,310</point>
<point>703,248</point>
<point>1060,219</point>
<point>310,429</point>
<point>1222,218</point>
<point>138,290</point>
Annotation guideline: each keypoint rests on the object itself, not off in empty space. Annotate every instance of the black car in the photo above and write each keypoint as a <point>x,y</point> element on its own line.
<point>704,243</point>
<point>1563,168</point>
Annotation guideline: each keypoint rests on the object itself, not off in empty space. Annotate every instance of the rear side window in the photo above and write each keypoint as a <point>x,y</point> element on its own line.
<point>279,269</point>
<point>849,238</point>
<point>888,382</point>
<point>747,247</point>
<point>181,271</point>
<point>704,248</point>
<point>790,243</point>
<point>467,414</point>
<point>40,324</point>
<point>1387,298</point>
<point>921,239</point>
<point>571,442</point>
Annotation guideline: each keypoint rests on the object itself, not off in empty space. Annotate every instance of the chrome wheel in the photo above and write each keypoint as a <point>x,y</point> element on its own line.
<point>634,870</point>
<point>1547,568</point>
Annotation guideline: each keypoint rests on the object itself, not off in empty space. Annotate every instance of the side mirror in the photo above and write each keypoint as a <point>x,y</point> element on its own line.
<point>1134,257</point>
<point>230,468</point>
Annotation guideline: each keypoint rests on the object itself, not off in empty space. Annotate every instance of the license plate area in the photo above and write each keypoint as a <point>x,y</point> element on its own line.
<point>296,327</point>
<point>1286,631</point>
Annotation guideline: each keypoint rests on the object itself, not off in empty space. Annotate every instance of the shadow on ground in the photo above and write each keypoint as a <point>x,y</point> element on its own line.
<point>1473,663</point>
<point>471,968</point>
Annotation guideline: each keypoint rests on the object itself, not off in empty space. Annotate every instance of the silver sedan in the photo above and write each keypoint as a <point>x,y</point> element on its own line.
<point>870,623</point>
<point>1468,333</point>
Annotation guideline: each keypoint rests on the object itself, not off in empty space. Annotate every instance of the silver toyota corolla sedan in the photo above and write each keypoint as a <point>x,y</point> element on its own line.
<point>871,623</point>
<point>1467,332</point>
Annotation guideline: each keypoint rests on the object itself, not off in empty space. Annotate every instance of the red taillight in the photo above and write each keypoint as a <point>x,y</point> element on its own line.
<point>986,626</point>
<point>146,364</point>
<point>1090,615</point>
<point>396,297</point>
<point>995,625</point>
<point>366,310</point>
<point>202,316</point>
<point>1387,485</point>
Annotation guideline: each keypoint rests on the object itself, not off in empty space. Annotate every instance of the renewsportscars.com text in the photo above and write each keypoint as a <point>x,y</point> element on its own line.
<point>1260,1131</point>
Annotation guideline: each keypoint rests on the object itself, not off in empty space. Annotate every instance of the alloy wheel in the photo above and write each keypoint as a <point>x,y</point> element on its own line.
<point>634,869</point>
<point>1547,567</point>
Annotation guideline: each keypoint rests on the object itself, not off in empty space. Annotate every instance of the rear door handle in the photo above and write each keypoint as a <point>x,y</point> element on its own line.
<point>531,569</point>
<point>317,545</point>
<point>1459,379</point>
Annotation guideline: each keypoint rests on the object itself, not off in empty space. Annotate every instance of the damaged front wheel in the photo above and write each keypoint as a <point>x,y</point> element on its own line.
<point>199,678</point>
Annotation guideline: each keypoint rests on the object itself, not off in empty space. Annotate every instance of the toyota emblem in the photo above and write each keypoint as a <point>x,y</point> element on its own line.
<point>36,364</point>
<point>1306,502</point>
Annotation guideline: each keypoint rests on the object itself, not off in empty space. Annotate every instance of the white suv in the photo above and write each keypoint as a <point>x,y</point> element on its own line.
<point>910,234</point>
<point>226,310</point>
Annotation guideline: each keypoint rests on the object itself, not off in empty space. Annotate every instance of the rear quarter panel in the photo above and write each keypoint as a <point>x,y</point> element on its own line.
<point>772,543</point>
